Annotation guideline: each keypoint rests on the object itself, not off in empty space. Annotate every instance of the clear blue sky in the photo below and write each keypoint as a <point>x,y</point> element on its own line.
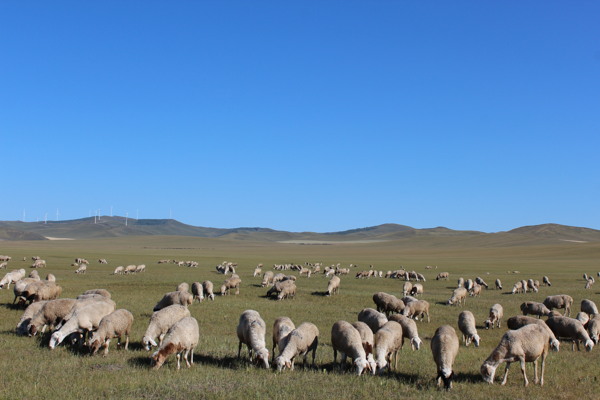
<point>304,116</point>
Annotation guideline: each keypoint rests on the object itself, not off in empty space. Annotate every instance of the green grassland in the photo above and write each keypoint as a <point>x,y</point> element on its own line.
<point>32,371</point>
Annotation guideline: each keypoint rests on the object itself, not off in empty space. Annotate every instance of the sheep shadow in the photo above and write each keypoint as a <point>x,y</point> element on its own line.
<point>257,285</point>
<point>141,362</point>
<point>15,306</point>
<point>467,377</point>
<point>321,294</point>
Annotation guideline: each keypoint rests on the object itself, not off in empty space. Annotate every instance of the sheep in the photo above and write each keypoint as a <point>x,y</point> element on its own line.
<point>444,347</point>
<point>533,285</point>
<point>114,325</point>
<point>469,284</point>
<point>374,319</point>
<point>208,289</point>
<point>50,314</point>
<point>281,328</point>
<point>160,323</point>
<point>459,296</point>
<point>481,282</point>
<point>82,269</point>
<point>347,340</point>
<point>475,290</point>
<point>534,308</point>
<point>368,342</point>
<point>594,329</point>
<point>198,291</point>
<point>101,292</point>
<point>461,283</point>
<point>85,319</point>
<point>526,344</point>
<point>120,270</point>
<point>525,286</point>
<point>300,341</point>
<point>416,290</point>
<point>267,278</point>
<point>34,274</point>
<point>498,284</point>
<point>406,288</point>
<point>495,316</point>
<point>388,303</point>
<point>589,283</point>
<point>333,286</point>
<point>140,268</point>
<point>42,290</point>
<point>388,341</point>
<point>466,324</point>
<point>183,298</point>
<point>416,309</point>
<point>409,331</point>
<point>519,321</point>
<point>546,281</point>
<point>251,331</point>
<point>183,287</point>
<point>584,318</point>
<point>286,291</point>
<point>181,338</point>
<point>233,282</point>
<point>442,275</point>
<point>30,311</point>
<point>421,277</point>
<point>130,269</point>
<point>50,278</point>
<point>518,288</point>
<point>570,328</point>
<point>257,270</point>
<point>589,307</point>
<point>12,277</point>
<point>408,299</point>
<point>559,301</point>
<point>20,286</point>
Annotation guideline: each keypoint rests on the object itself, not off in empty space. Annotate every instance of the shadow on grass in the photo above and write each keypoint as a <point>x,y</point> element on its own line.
<point>322,294</point>
<point>468,377</point>
<point>15,306</point>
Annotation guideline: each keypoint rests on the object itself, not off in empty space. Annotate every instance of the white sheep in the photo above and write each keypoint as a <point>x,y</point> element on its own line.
<point>12,277</point>
<point>368,342</point>
<point>526,344</point>
<point>388,340</point>
<point>30,311</point>
<point>130,269</point>
<point>268,277</point>
<point>388,303</point>
<point>406,288</point>
<point>198,291</point>
<point>20,286</point>
<point>140,268</point>
<point>409,331</point>
<point>183,287</point>
<point>333,286</point>
<point>444,348</point>
<point>519,321</point>
<point>113,325</point>
<point>160,323</point>
<point>466,324</point>
<point>281,328</point>
<point>41,290</point>
<point>300,341</point>
<point>120,270</point>
<point>495,316</point>
<point>50,314</point>
<point>83,320</point>
<point>589,307</point>
<point>182,338</point>
<point>417,289</point>
<point>559,301</point>
<point>459,296</point>
<point>594,329</point>
<point>546,281</point>
<point>233,282</point>
<point>177,297</point>
<point>347,340</point>
<point>208,289</point>
<point>498,284</point>
<point>417,309</point>
<point>374,319</point>
<point>534,308</point>
<point>251,331</point>
<point>570,328</point>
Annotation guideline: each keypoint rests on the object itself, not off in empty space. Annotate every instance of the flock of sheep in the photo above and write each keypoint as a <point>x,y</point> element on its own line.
<point>372,342</point>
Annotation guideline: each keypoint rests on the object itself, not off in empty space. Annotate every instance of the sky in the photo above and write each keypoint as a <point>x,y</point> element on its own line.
<point>302,115</point>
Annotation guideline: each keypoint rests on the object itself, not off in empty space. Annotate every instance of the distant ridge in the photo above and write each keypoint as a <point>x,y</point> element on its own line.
<point>106,227</point>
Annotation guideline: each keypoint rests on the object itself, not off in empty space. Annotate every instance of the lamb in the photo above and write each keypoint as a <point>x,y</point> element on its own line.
<point>588,306</point>
<point>267,278</point>
<point>525,344</point>
<point>409,331</point>
<point>368,342</point>
<point>233,282</point>
<point>198,291</point>
<point>416,290</point>
<point>495,316</point>
<point>347,340</point>
<point>160,323</point>
<point>182,338</point>
<point>444,347</point>
<point>519,321</point>
<point>388,303</point>
<point>374,319</point>
<point>208,289</point>
<point>12,277</point>
<point>300,341</point>
<point>251,331</point>
<point>534,308</point>
<point>498,284</point>
<point>593,329</point>
<point>114,325</point>
<point>281,328</point>
<point>50,314</point>
<point>388,341</point>
<point>459,296</point>
<point>85,319</point>
<point>28,314</point>
<point>570,328</point>
<point>546,281</point>
<point>466,324</point>
<point>417,309</point>
<point>120,270</point>
<point>559,301</point>
<point>183,298</point>
<point>333,286</point>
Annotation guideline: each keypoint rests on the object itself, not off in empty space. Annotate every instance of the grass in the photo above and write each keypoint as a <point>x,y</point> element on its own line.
<point>30,370</point>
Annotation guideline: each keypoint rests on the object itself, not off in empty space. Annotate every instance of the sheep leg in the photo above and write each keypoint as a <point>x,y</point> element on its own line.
<point>522,361</point>
<point>178,355</point>
<point>535,371</point>
<point>543,365</point>
<point>126,341</point>
<point>505,373</point>
<point>240,349</point>
<point>106,344</point>
<point>185,357</point>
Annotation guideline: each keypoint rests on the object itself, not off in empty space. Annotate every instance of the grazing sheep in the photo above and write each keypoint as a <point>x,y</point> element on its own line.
<point>374,319</point>
<point>160,323</point>
<point>300,341</point>
<point>518,288</point>
<point>12,277</point>
<point>233,282</point>
<point>469,284</point>
<point>546,281</point>
<point>347,340</point>
<point>388,341</point>
<point>408,299</point>
<point>368,342</point>
<point>498,284</point>
<point>333,286</point>
<point>140,268</point>
<point>198,291</point>
<point>525,286</point>
<point>83,320</point>
<point>50,314</point>
<point>481,282</point>
<point>416,290</point>
<point>534,308</point>
<point>41,290</point>
<point>409,331</point>
<point>20,286</point>
<point>570,328</point>
<point>466,324</point>
<point>120,270</point>
<point>251,332</point>
<point>82,269</point>
<point>183,298</point>
<point>182,338</point>
<point>495,316</point>
<point>461,283</point>
<point>442,275</point>
<point>101,292</point>
<point>406,288</point>
<point>279,286</point>
<point>532,285</point>
<point>50,278</point>
<point>208,289</point>
<point>519,321</point>
<point>594,329</point>
<point>114,325</point>
<point>582,317</point>
<point>257,270</point>
<point>459,296</point>
<point>417,309</point>
<point>30,311</point>
<point>268,277</point>
<point>589,307</point>
<point>388,303</point>
<point>525,344</point>
<point>444,347</point>
<point>559,301</point>
<point>183,287</point>
<point>281,328</point>
<point>130,269</point>
<point>475,290</point>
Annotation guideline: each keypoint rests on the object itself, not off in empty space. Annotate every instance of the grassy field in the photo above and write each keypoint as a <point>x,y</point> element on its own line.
<point>31,371</point>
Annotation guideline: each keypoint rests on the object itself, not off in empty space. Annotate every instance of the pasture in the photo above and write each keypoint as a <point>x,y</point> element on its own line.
<point>31,370</point>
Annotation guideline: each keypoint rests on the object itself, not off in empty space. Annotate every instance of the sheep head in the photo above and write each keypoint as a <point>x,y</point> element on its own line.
<point>487,372</point>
